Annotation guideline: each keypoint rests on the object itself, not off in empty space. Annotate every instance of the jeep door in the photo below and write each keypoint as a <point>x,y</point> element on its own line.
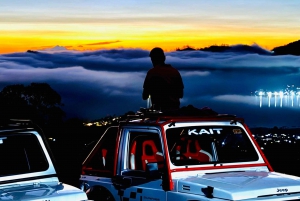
<point>139,173</point>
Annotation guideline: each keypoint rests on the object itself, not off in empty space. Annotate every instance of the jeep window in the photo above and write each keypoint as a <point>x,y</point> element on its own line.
<point>100,162</point>
<point>143,148</point>
<point>209,144</point>
<point>20,154</point>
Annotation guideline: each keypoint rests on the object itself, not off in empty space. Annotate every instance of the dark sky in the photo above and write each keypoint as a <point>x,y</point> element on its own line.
<point>109,82</point>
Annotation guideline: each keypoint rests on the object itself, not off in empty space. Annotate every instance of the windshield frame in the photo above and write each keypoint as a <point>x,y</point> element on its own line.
<point>213,165</point>
<point>49,172</point>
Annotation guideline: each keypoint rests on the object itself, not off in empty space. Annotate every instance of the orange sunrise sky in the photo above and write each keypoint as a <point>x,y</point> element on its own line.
<point>94,24</point>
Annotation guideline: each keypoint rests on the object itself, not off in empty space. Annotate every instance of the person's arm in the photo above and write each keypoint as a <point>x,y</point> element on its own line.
<point>146,92</point>
<point>181,93</point>
<point>180,86</point>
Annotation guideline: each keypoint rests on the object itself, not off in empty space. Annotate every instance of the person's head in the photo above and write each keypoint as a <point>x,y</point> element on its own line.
<point>157,56</point>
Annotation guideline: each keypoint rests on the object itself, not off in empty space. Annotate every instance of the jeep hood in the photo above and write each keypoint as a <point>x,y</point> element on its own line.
<point>60,192</point>
<point>239,185</point>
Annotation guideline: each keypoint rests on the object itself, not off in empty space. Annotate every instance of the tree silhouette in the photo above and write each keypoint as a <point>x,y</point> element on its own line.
<point>186,48</point>
<point>38,102</point>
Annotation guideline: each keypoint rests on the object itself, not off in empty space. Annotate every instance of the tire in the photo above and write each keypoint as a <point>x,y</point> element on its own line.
<point>98,193</point>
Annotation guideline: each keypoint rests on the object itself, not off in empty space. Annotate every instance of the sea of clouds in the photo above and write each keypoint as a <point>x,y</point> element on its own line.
<point>94,84</point>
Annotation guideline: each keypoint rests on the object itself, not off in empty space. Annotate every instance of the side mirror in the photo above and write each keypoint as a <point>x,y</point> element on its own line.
<point>152,171</point>
<point>121,181</point>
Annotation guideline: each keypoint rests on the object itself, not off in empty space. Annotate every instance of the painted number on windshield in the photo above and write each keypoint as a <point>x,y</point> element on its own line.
<point>209,131</point>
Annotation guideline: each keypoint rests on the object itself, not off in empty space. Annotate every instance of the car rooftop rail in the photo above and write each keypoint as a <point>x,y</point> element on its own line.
<point>154,116</point>
<point>16,124</point>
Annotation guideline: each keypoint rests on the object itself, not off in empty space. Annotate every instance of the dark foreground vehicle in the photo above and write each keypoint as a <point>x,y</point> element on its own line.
<point>159,157</point>
<point>27,170</point>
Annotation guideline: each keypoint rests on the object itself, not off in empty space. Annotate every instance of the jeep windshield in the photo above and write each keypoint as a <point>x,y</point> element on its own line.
<point>20,154</point>
<point>194,145</point>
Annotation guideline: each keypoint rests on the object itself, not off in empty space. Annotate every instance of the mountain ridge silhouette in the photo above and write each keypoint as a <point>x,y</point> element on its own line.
<point>292,48</point>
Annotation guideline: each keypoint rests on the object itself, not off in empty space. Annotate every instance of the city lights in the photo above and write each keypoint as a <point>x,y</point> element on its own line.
<point>278,138</point>
<point>270,94</point>
<point>287,97</point>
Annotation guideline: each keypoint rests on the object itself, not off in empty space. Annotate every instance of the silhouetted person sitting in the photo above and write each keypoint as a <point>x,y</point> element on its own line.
<point>163,83</point>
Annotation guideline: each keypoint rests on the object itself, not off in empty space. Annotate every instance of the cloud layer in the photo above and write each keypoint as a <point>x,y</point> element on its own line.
<point>107,82</point>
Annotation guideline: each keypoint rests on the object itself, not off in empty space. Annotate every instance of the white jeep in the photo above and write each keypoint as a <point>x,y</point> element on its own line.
<point>27,169</point>
<point>160,157</point>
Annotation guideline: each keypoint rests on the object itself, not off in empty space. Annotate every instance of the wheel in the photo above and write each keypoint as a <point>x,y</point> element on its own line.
<point>98,193</point>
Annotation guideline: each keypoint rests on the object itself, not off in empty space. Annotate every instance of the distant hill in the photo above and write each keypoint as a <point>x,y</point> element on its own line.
<point>291,48</point>
<point>32,51</point>
<point>216,48</point>
<point>255,49</point>
<point>213,48</point>
<point>186,48</point>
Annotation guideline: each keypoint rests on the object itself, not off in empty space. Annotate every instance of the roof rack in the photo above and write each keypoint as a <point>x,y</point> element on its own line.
<point>185,112</point>
<point>13,123</point>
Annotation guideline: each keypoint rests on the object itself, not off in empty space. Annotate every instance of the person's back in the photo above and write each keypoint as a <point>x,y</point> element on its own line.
<point>163,83</point>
